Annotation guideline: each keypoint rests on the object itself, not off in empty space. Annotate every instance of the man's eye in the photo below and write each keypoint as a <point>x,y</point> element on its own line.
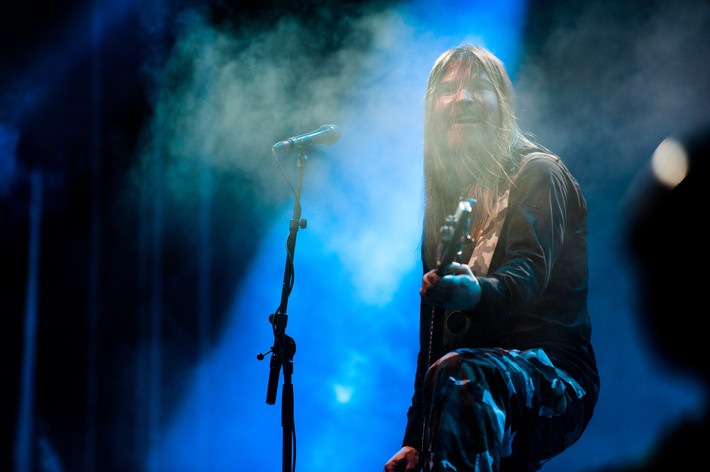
<point>447,89</point>
<point>483,84</point>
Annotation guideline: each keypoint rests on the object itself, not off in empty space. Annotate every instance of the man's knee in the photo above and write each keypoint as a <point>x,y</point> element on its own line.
<point>452,359</point>
<point>446,365</point>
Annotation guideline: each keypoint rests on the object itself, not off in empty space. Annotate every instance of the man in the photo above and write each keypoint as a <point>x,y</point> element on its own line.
<point>506,375</point>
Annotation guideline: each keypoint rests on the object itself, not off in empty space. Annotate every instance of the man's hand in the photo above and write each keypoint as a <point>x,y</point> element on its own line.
<point>457,290</point>
<point>406,460</point>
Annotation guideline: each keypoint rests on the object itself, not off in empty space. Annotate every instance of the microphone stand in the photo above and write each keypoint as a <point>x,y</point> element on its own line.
<point>284,346</point>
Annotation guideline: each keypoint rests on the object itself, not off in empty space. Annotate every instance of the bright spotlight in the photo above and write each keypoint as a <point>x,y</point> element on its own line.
<point>670,162</point>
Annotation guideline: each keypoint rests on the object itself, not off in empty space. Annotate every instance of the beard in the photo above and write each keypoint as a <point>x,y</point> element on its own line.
<point>472,154</point>
<point>472,137</point>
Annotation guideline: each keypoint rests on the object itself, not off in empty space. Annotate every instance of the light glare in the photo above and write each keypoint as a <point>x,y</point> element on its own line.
<point>670,163</point>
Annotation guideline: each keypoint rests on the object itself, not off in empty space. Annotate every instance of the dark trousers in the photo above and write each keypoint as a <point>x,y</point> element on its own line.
<point>492,410</point>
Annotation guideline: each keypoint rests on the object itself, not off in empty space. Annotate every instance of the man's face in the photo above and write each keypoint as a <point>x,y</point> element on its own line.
<point>466,109</point>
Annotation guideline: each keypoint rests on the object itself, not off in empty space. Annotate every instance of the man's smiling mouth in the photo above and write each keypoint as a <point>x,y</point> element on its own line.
<point>466,119</point>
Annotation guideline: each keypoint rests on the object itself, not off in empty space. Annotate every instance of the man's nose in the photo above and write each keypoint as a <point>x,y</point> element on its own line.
<point>464,95</point>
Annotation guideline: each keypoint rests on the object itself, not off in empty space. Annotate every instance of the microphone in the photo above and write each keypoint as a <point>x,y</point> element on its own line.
<point>326,134</point>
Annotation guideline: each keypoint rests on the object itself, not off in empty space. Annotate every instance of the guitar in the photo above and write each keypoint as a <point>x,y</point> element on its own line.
<point>454,234</point>
<point>448,331</point>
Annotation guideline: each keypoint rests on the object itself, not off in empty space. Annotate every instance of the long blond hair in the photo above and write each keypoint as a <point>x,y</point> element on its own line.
<point>488,177</point>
